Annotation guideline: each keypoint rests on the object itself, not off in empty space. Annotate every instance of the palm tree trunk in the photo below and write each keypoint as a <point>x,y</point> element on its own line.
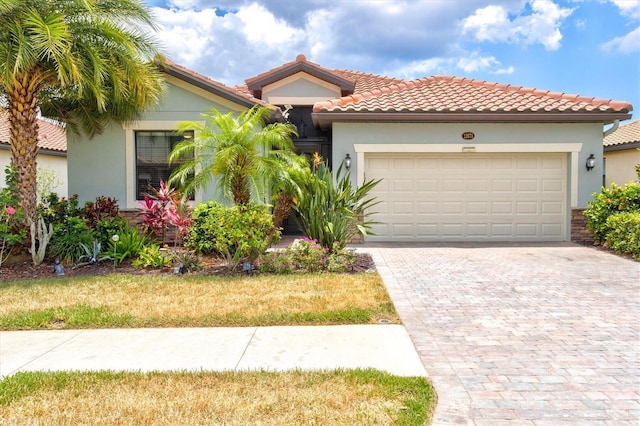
<point>282,208</point>
<point>23,120</point>
<point>240,190</point>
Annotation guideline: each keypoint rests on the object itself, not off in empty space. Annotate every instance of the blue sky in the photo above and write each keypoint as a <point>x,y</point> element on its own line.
<point>585,47</point>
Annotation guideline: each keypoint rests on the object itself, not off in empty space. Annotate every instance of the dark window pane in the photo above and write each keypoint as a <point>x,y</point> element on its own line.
<point>152,150</point>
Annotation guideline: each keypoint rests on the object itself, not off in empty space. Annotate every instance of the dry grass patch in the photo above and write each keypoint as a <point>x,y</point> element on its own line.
<point>164,301</point>
<point>364,397</point>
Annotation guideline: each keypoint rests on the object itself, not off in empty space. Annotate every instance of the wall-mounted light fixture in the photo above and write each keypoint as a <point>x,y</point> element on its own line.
<point>347,161</point>
<point>591,162</point>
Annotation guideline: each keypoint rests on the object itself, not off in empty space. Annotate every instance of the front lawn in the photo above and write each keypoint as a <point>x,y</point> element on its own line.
<point>130,300</point>
<point>363,397</point>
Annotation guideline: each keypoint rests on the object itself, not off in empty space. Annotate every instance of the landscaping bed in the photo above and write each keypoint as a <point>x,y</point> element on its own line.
<point>21,267</point>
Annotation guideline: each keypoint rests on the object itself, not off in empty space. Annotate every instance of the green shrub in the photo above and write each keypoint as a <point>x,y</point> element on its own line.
<point>12,233</point>
<point>623,233</point>
<point>68,239</point>
<point>609,202</point>
<point>55,210</point>
<point>152,256</point>
<point>187,262</point>
<point>305,256</point>
<point>108,227</point>
<point>102,208</point>
<point>237,233</point>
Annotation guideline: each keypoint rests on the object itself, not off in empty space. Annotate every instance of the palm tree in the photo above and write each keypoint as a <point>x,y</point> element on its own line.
<point>84,62</point>
<point>244,152</point>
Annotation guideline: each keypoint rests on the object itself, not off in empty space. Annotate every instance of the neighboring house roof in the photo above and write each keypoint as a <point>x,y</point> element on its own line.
<point>626,136</point>
<point>52,136</point>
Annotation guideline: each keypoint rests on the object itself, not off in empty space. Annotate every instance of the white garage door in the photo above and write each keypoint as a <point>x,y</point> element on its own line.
<point>469,197</point>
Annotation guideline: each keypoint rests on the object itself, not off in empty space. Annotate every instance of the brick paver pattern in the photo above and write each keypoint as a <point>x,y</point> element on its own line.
<point>521,334</point>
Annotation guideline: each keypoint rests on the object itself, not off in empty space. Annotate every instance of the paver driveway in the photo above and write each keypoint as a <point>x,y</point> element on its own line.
<point>521,334</point>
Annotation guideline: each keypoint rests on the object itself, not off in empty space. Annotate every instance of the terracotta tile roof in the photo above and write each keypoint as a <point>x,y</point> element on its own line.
<point>235,94</point>
<point>300,64</point>
<point>367,82</point>
<point>625,134</point>
<point>441,94</point>
<point>51,135</point>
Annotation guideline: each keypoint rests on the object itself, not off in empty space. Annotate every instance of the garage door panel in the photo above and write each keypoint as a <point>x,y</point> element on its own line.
<point>552,207</point>
<point>400,185</point>
<point>477,207</point>
<point>452,185</point>
<point>427,185</point>
<point>428,208</point>
<point>453,197</point>
<point>502,185</point>
<point>530,185</point>
<point>553,185</point>
<point>527,163</point>
<point>526,230</point>
<point>402,230</point>
<point>527,207</point>
<point>403,208</point>
<point>502,207</point>
<point>478,185</point>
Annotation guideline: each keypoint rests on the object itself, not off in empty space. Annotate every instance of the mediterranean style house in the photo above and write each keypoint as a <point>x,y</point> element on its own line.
<point>52,153</point>
<point>459,159</point>
<point>621,154</point>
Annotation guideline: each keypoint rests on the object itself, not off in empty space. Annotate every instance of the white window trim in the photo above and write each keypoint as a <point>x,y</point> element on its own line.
<point>571,148</point>
<point>130,155</point>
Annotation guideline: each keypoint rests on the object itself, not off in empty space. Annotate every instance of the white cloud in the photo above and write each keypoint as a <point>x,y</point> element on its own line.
<point>476,63</point>
<point>260,26</point>
<point>493,23</point>
<point>626,44</point>
<point>418,69</point>
<point>630,8</point>
<point>504,71</point>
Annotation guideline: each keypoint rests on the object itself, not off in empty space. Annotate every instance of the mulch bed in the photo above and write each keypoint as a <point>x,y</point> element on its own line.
<point>21,267</point>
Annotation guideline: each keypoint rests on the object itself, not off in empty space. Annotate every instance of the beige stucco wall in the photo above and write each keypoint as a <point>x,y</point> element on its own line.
<point>54,163</point>
<point>620,166</point>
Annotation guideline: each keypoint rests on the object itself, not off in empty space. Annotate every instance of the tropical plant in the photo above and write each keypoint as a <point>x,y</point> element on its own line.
<point>56,210</point>
<point>68,237</point>
<point>125,245</point>
<point>187,261</point>
<point>92,256</point>
<point>163,207</point>
<point>333,212</point>
<point>286,187</point>
<point>237,233</point>
<point>11,234</point>
<point>40,237</point>
<point>108,227</point>
<point>244,152</point>
<point>152,256</point>
<point>84,62</point>
<point>102,208</point>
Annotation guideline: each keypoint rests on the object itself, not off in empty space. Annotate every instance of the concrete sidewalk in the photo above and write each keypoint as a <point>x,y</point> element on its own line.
<point>384,347</point>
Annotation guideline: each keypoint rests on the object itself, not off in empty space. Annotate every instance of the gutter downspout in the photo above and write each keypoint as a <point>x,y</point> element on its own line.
<point>616,124</point>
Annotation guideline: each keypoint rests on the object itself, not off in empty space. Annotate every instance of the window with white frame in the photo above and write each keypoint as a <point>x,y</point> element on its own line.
<point>152,149</point>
